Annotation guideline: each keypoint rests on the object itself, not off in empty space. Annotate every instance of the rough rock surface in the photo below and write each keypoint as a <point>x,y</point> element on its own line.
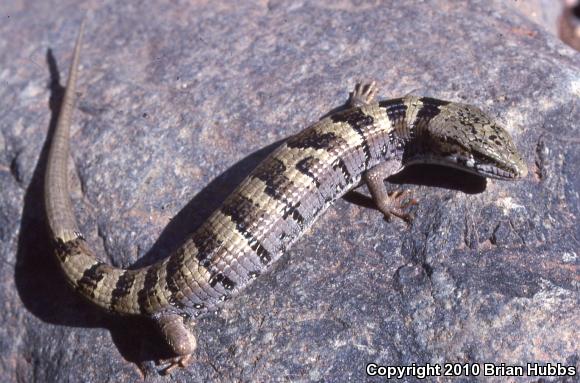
<point>543,12</point>
<point>180,99</point>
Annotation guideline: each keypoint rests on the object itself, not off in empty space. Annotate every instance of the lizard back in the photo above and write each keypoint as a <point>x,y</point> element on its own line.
<point>263,216</point>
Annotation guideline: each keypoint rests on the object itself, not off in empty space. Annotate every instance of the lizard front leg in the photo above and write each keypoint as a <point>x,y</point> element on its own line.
<point>390,204</point>
<point>393,204</point>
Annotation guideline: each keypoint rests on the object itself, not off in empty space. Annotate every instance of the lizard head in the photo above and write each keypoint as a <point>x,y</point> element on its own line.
<point>464,137</point>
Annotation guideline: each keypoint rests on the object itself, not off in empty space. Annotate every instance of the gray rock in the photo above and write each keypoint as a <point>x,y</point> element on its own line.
<point>179,101</point>
<point>544,12</point>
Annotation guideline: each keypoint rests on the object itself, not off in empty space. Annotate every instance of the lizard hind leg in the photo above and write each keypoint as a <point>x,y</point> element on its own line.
<point>179,338</point>
<point>363,94</point>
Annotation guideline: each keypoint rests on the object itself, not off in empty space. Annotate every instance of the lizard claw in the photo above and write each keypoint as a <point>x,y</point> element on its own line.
<point>168,365</point>
<point>363,94</point>
<point>178,337</point>
<point>397,204</point>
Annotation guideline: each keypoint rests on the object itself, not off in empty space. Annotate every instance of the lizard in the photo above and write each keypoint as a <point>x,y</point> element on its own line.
<point>275,204</point>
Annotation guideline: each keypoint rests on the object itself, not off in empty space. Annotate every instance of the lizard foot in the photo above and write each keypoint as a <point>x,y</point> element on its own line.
<point>168,365</point>
<point>181,341</point>
<point>363,94</point>
<point>396,205</point>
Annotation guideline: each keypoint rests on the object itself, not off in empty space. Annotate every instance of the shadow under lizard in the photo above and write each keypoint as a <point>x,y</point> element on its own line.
<point>272,207</point>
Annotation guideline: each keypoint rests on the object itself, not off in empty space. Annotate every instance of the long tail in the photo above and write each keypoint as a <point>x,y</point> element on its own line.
<point>61,219</point>
<point>119,290</point>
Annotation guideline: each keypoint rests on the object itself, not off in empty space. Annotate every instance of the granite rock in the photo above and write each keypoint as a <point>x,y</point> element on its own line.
<point>179,100</point>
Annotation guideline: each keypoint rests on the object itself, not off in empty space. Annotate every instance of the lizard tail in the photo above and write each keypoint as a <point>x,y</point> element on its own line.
<point>61,219</point>
<point>109,287</point>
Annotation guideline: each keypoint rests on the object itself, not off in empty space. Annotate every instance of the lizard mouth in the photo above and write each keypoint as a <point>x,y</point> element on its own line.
<point>491,171</point>
<point>474,166</point>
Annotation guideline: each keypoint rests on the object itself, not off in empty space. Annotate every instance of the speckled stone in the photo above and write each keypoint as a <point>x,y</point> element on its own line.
<point>179,100</point>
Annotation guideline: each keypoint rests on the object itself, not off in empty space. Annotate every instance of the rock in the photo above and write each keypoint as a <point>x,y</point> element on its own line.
<point>544,12</point>
<point>180,100</point>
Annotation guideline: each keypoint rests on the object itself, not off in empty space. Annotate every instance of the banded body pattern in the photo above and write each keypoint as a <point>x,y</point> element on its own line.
<point>276,203</point>
<point>270,209</point>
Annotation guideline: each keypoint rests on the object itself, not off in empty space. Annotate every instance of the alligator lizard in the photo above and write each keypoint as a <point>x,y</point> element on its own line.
<point>364,143</point>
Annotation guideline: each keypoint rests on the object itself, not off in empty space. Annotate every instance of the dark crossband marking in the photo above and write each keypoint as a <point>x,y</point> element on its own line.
<point>305,166</point>
<point>293,212</point>
<point>312,138</point>
<point>431,107</point>
<point>396,110</point>
<point>64,250</point>
<point>433,102</point>
<point>91,278</point>
<point>148,290</point>
<point>317,171</point>
<point>272,172</point>
<point>244,214</point>
<point>358,121</point>
<point>206,242</point>
<point>122,287</point>
<point>227,283</point>
<point>277,186</point>
<point>264,255</point>
<point>274,165</point>
<point>173,275</point>
<point>339,165</point>
<point>234,250</point>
